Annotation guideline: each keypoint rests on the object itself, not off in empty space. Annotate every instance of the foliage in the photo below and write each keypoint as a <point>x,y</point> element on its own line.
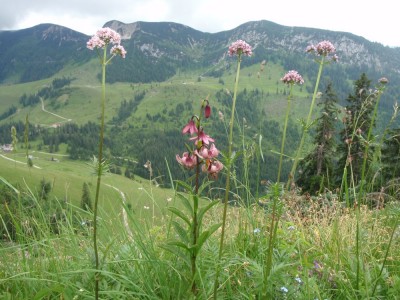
<point>391,156</point>
<point>8,113</point>
<point>317,167</point>
<point>279,244</point>
<point>86,200</point>
<point>357,122</point>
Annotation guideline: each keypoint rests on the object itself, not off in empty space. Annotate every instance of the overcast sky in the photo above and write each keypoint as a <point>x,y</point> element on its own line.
<point>377,21</point>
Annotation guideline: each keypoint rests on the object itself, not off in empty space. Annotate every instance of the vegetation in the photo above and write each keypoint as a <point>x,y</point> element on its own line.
<point>332,233</point>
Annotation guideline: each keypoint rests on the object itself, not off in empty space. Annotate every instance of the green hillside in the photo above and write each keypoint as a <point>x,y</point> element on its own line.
<point>79,102</point>
<point>67,177</point>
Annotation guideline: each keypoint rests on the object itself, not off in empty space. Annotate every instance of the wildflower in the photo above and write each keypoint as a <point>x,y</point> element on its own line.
<point>104,37</point>
<point>239,47</point>
<point>118,50</point>
<point>291,227</point>
<point>207,111</point>
<point>257,230</point>
<point>317,265</point>
<point>284,289</point>
<point>221,115</point>
<point>190,127</point>
<point>292,77</point>
<point>383,80</point>
<point>212,167</point>
<point>348,141</point>
<point>324,48</point>
<point>298,280</point>
<point>206,153</point>
<point>202,137</point>
<point>146,207</point>
<point>187,160</point>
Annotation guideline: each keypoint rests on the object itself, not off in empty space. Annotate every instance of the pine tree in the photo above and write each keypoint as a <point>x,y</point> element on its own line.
<point>357,121</point>
<point>86,201</point>
<point>45,189</point>
<point>317,167</point>
<point>391,156</point>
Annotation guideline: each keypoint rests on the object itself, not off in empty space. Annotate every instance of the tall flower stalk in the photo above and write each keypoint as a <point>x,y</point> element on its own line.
<point>325,53</point>
<point>202,156</point>
<point>378,94</point>
<point>291,78</point>
<point>100,41</point>
<point>237,49</point>
<point>361,194</point>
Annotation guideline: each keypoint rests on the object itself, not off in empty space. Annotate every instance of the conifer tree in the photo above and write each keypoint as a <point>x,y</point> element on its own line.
<point>357,121</point>
<point>391,156</point>
<point>316,169</point>
<point>86,201</point>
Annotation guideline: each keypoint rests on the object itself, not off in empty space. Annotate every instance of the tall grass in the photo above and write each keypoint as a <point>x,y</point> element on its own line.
<point>314,255</point>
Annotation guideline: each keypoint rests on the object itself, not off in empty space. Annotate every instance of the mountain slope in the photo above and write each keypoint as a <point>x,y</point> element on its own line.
<point>159,50</point>
<point>39,52</point>
<point>181,46</point>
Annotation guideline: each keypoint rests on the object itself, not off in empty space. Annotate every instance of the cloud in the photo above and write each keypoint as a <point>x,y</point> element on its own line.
<point>374,22</point>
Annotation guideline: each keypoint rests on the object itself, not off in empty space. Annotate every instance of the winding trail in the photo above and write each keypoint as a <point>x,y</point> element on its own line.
<point>16,161</point>
<point>49,112</point>
<point>124,213</point>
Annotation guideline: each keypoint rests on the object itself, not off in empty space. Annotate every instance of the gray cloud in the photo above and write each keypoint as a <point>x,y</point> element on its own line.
<point>206,15</point>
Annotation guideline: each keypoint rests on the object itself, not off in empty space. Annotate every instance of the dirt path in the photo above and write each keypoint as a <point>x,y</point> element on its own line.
<point>19,162</point>
<point>49,112</point>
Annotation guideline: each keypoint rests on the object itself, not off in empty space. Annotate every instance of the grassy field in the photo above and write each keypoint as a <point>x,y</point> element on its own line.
<point>67,178</point>
<point>79,103</point>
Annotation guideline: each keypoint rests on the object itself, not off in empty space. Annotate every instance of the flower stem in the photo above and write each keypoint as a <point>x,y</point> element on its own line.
<point>228,173</point>
<point>284,133</point>
<point>195,223</point>
<point>306,126</point>
<point>99,173</point>
<point>272,235</point>
<point>194,241</point>
<point>364,165</point>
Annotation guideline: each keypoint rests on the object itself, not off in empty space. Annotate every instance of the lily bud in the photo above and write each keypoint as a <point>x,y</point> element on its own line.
<point>207,111</point>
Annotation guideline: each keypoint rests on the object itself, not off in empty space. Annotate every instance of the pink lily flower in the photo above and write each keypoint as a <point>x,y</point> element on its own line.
<point>187,160</point>
<point>190,128</point>
<point>206,153</point>
<point>212,167</point>
<point>202,137</point>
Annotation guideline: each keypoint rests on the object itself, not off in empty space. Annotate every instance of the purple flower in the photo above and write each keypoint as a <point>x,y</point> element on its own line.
<point>202,137</point>
<point>187,160</point>
<point>190,128</point>
<point>292,77</point>
<point>95,42</point>
<point>240,47</point>
<point>324,48</point>
<point>103,37</point>
<point>118,50</point>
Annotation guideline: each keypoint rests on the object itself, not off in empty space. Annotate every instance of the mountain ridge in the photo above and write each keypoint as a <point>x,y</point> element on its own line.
<point>158,50</point>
